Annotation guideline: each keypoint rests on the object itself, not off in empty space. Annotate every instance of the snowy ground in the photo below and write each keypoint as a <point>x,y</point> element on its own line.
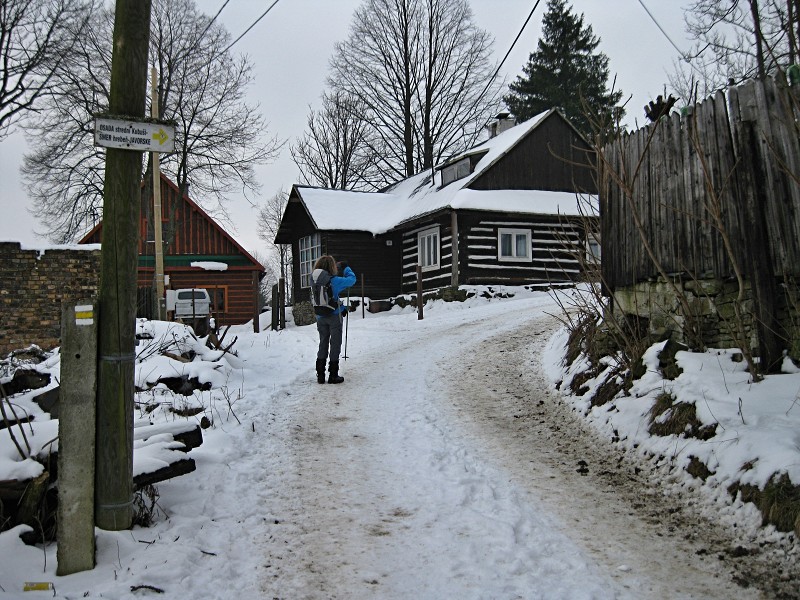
<point>446,466</point>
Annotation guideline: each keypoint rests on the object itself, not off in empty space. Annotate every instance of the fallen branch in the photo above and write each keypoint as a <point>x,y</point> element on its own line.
<point>149,588</point>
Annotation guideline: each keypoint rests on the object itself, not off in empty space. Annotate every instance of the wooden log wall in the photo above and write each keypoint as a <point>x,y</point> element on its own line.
<point>670,189</point>
<point>431,279</point>
<point>555,245</point>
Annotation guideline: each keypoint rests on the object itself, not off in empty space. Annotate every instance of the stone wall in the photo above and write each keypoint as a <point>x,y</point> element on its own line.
<point>711,311</point>
<point>34,283</point>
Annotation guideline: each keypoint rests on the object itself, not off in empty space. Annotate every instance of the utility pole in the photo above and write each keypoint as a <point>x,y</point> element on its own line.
<point>119,257</point>
<point>159,245</point>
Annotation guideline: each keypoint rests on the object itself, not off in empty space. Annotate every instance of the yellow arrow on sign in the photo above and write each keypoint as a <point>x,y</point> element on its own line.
<point>160,136</point>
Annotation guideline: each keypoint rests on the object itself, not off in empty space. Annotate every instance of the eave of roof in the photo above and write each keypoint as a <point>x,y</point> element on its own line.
<point>419,196</point>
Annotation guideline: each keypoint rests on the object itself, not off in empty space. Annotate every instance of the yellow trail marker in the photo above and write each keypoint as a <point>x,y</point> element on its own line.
<point>38,586</point>
<point>160,136</point>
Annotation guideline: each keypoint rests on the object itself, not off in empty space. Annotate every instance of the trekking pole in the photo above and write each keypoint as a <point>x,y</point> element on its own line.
<point>346,323</point>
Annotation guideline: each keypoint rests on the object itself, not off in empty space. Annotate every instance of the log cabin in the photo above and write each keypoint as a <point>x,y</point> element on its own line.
<point>518,209</point>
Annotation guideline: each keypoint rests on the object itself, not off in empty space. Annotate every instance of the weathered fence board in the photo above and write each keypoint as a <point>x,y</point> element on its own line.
<point>731,163</point>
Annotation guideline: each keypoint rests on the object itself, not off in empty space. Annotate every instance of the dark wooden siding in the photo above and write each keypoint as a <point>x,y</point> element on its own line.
<point>433,279</point>
<point>372,260</point>
<point>557,249</point>
<point>549,158</point>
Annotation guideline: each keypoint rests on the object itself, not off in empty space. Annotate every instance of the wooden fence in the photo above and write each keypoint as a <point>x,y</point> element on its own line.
<point>672,192</point>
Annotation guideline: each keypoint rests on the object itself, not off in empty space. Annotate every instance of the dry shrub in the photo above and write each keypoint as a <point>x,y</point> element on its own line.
<point>145,506</point>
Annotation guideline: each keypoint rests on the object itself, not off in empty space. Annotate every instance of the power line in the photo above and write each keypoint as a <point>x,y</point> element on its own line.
<point>686,58</point>
<point>214,18</point>
<point>264,14</point>
<point>516,39</point>
<point>661,29</point>
<point>205,30</point>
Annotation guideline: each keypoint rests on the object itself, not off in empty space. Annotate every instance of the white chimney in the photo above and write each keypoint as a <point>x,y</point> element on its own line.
<point>500,123</point>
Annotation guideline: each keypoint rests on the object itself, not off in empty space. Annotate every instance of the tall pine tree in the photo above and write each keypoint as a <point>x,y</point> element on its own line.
<point>565,72</point>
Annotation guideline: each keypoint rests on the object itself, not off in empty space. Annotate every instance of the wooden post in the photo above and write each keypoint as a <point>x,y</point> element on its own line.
<point>420,299</point>
<point>362,296</point>
<point>454,247</point>
<point>751,181</point>
<point>282,300</point>
<point>118,263</point>
<point>159,244</point>
<point>76,443</point>
<point>256,312</point>
<point>273,314</point>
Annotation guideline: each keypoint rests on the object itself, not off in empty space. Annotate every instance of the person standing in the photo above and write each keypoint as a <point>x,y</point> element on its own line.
<point>329,312</point>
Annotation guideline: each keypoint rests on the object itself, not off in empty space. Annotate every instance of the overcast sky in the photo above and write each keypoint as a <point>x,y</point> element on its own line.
<point>291,46</point>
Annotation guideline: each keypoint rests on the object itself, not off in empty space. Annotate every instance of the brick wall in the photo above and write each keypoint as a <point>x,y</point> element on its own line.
<point>34,283</point>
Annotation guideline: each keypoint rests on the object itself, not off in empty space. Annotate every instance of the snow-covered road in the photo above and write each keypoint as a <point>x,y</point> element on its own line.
<point>442,468</point>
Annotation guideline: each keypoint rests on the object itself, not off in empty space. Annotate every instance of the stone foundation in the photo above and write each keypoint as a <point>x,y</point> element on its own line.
<point>711,309</point>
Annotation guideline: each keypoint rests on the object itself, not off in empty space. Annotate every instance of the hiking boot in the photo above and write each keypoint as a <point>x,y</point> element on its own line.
<point>320,371</point>
<point>334,376</point>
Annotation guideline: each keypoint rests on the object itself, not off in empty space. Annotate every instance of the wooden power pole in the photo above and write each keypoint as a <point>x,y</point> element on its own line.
<point>117,297</point>
<point>159,243</point>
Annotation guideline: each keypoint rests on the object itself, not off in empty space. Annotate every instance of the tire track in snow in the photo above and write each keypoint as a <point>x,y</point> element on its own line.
<point>650,545</point>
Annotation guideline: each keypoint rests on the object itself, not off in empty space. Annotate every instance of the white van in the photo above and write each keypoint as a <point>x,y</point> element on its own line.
<point>192,303</point>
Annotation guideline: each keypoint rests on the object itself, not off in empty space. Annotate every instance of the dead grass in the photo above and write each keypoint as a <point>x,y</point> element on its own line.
<point>666,359</point>
<point>609,389</point>
<point>698,469</point>
<point>778,502</point>
<point>670,418</point>
<point>580,337</point>
<point>145,506</point>
<point>577,385</point>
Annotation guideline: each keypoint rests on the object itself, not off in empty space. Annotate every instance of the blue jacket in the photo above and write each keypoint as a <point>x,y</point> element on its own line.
<point>339,284</point>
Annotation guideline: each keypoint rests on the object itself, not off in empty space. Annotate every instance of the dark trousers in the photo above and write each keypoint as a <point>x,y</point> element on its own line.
<point>330,336</point>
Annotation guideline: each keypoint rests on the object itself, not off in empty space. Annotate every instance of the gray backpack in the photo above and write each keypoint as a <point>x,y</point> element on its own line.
<point>322,293</point>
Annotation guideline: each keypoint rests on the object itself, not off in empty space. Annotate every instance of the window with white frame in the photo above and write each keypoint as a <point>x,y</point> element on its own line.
<point>310,251</point>
<point>428,249</point>
<point>514,245</point>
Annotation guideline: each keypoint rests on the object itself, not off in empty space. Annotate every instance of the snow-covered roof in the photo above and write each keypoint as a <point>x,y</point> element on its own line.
<point>422,194</point>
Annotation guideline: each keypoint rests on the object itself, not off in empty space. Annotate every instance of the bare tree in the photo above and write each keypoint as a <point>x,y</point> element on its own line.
<point>202,88</point>
<point>735,40</point>
<point>269,220</point>
<point>219,138</point>
<point>422,71</point>
<point>270,278</point>
<point>35,37</point>
<point>458,91</point>
<point>334,152</point>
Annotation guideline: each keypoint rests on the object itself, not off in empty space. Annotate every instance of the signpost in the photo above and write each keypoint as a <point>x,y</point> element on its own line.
<point>128,134</point>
